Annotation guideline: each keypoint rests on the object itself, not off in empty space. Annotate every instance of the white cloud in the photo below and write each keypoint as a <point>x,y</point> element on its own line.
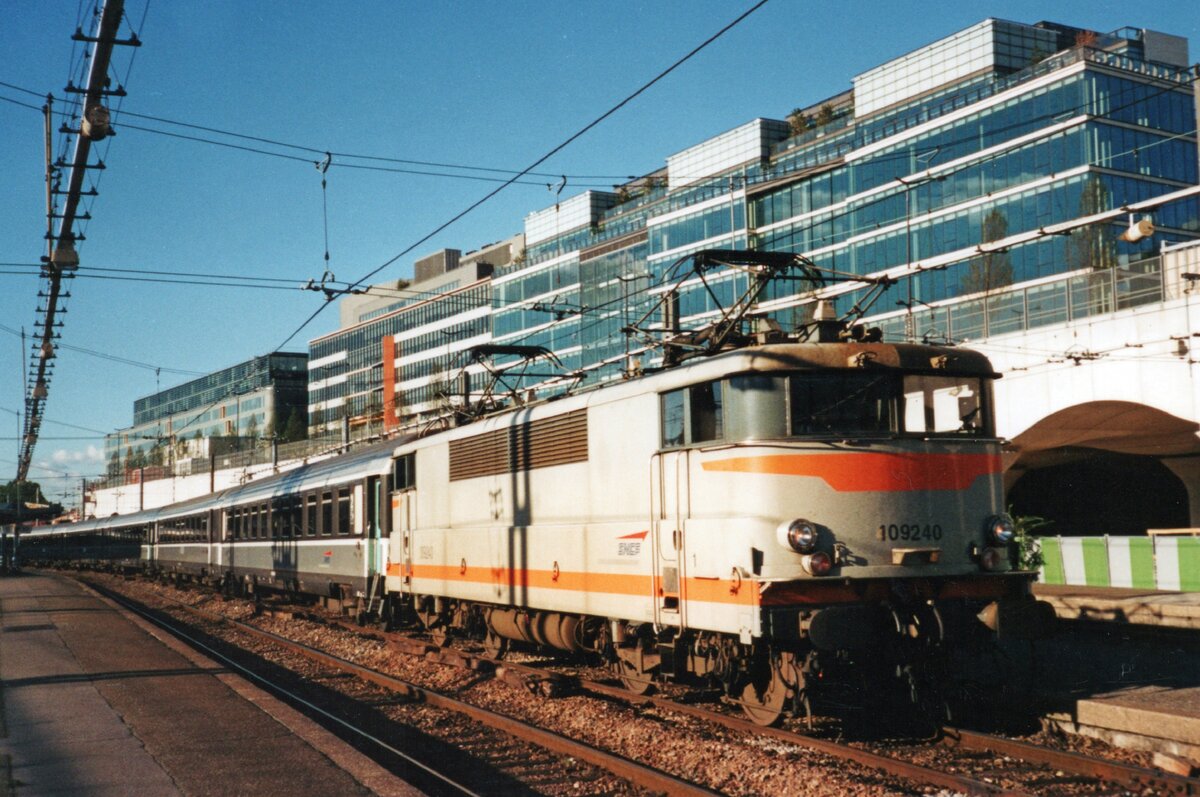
<point>89,455</point>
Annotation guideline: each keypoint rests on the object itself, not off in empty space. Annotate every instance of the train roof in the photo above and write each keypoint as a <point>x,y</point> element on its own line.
<point>851,355</point>
<point>373,460</point>
<point>913,358</point>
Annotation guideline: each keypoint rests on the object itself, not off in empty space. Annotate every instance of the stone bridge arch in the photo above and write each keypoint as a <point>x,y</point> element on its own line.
<point>1107,467</point>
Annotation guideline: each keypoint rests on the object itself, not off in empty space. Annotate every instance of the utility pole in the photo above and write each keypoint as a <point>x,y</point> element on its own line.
<point>62,260</point>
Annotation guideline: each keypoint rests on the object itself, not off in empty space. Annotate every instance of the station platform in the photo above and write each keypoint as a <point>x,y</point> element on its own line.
<point>95,701</point>
<point>1129,673</point>
<point>1123,605</point>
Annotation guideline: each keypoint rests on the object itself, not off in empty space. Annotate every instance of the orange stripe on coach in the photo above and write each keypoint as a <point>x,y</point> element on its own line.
<point>871,472</point>
<point>705,590</point>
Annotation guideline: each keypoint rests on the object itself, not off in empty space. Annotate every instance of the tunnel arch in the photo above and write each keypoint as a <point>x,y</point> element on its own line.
<point>1098,468</point>
<point>1089,492</point>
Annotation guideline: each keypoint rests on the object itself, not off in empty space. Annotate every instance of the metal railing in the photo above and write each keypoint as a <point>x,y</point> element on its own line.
<point>1080,294</point>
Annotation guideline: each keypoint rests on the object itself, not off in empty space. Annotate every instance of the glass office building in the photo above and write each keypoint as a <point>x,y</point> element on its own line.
<point>999,129</point>
<point>250,399</point>
<point>400,345</point>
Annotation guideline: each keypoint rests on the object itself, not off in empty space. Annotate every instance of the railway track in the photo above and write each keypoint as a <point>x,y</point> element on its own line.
<point>1039,765</point>
<point>638,775</point>
<point>539,680</point>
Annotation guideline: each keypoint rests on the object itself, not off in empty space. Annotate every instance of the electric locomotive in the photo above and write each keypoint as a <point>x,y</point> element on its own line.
<point>772,518</point>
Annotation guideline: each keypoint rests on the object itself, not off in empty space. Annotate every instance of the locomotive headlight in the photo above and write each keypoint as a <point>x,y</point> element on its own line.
<point>817,564</point>
<point>800,535</point>
<point>1001,528</point>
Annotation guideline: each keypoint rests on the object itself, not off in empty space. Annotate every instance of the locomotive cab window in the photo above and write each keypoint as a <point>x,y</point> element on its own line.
<point>692,415</point>
<point>404,472</point>
<point>945,405</point>
<point>841,402</point>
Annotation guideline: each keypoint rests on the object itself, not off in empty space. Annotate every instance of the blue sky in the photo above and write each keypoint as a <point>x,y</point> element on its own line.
<point>474,83</point>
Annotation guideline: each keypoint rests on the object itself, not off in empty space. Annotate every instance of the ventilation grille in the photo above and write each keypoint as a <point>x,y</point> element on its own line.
<point>550,441</point>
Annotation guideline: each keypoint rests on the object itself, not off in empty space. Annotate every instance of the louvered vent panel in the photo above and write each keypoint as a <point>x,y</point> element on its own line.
<point>480,455</point>
<point>540,444</point>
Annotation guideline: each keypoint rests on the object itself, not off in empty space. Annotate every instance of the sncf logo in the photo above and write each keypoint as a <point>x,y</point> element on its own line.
<point>631,544</point>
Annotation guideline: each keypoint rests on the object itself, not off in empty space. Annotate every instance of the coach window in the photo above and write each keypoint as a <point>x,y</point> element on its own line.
<point>292,526</point>
<point>344,526</point>
<point>326,514</point>
<point>310,514</point>
<point>234,516</point>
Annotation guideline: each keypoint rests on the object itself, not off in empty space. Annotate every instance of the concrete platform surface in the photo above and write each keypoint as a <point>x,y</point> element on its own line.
<point>1157,719</point>
<point>1121,605</point>
<point>96,702</point>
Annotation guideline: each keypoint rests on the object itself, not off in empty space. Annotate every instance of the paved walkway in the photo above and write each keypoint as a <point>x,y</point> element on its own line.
<point>92,703</point>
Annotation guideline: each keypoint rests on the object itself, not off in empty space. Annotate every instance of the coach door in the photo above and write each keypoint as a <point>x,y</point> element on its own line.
<point>374,505</point>
<point>670,505</point>
<point>404,520</point>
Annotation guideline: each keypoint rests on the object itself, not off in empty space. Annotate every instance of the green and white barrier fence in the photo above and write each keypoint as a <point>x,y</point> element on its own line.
<point>1155,562</point>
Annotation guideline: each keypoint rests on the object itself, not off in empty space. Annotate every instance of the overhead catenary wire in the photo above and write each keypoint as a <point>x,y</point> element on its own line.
<point>558,148</point>
<point>582,310</point>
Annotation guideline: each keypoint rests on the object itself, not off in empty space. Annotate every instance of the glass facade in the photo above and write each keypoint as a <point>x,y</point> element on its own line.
<point>999,129</point>
<point>245,400</point>
<point>346,368</point>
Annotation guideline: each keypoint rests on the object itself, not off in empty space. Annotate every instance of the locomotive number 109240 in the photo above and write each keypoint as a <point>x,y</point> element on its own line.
<point>909,531</point>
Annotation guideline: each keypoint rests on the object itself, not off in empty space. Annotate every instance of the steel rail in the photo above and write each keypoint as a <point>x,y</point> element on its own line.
<point>1127,775</point>
<point>638,774</point>
<point>548,683</point>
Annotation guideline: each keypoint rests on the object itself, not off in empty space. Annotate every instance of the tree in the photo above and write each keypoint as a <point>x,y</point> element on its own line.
<point>1028,540</point>
<point>114,463</point>
<point>137,460</point>
<point>23,492</point>
<point>825,115</point>
<point>799,122</point>
<point>294,429</point>
<point>1094,246</point>
<point>252,427</point>
<point>990,270</point>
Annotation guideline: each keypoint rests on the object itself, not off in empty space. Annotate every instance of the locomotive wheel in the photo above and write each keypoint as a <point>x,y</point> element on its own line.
<point>635,680</point>
<point>769,692</point>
